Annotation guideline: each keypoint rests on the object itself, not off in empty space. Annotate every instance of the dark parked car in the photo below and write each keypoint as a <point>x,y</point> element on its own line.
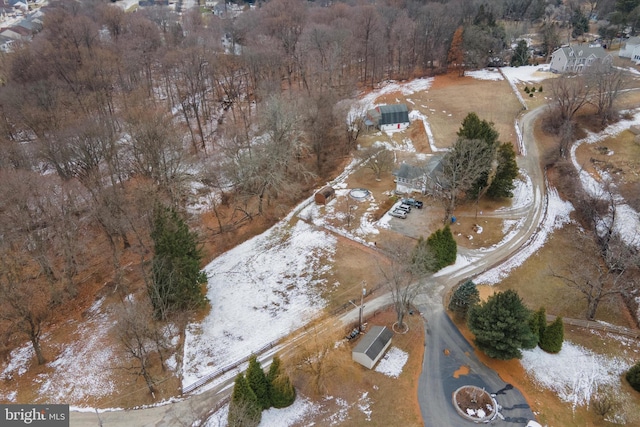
<point>413,202</point>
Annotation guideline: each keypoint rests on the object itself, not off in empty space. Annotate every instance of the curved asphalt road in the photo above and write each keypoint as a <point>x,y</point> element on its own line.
<point>446,350</point>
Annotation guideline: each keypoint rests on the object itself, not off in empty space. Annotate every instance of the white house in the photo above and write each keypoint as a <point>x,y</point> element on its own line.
<point>392,117</point>
<point>574,59</point>
<point>372,346</point>
<point>631,49</point>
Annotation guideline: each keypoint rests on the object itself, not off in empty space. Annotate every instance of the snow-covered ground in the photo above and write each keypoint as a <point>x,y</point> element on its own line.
<point>259,291</point>
<point>575,374</point>
<point>82,369</point>
<point>627,220</point>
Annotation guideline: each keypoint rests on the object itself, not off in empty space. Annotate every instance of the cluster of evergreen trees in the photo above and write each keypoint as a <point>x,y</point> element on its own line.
<point>255,392</point>
<point>441,247</point>
<point>503,325</point>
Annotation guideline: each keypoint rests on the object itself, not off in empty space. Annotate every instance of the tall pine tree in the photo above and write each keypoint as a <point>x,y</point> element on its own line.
<point>281,391</point>
<point>258,382</point>
<point>443,246</point>
<point>553,336</point>
<point>506,172</point>
<point>464,297</point>
<point>244,409</point>
<point>501,326</point>
<point>176,277</point>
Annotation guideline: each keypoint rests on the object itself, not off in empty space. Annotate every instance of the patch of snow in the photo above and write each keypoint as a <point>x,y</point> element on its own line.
<point>392,363</point>
<point>408,88</point>
<point>522,193</point>
<point>627,220</point>
<point>364,405</point>
<point>527,73</point>
<point>417,115</point>
<point>575,373</point>
<point>557,216</point>
<point>479,229</point>
<point>259,291</point>
<point>485,75</point>
<point>19,360</point>
<point>288,416</point>
<point>84,366</point>
<point>341,415</point>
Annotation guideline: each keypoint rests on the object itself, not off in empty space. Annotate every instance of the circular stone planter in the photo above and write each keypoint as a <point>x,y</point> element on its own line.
<point>359,194</point>
<point>474,404</point>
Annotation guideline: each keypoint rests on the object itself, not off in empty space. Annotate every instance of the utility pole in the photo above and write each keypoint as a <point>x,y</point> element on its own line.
<point>364,291</point>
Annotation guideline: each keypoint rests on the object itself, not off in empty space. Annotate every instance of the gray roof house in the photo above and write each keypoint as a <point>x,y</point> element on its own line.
<point>574,59</point>
<point>409,179</point>
<point>389,117</point>
<point>372,346</point>
<point>417,179</point>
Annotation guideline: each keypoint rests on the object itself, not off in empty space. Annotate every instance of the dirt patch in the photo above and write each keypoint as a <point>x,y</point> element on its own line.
<point>463,370</point>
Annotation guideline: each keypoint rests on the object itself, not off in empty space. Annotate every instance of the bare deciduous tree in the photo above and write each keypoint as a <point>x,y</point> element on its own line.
<point>378,159</point>
<point>404,276</point>
<point>599,278</point>
<point>459,170</point>
<point>570,94</point>
<point>139,336</point>
<point>606,82</point>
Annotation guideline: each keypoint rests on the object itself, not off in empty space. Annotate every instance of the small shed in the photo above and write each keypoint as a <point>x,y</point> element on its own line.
<point>324,195</point>
<point>372,346</point>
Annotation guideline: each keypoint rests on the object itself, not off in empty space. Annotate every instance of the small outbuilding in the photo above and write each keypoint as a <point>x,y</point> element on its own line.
<point>372,346</point>
<point>324,195</point>
<point>389,117</point>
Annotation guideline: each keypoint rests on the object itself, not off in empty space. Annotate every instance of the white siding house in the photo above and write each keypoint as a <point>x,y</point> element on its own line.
<point>631,50</point>
<point>574,59</point>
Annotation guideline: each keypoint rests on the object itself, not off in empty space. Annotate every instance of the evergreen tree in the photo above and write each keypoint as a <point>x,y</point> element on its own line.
<point>501,326</point>
<point>633,376</point>
<point>475,129</point>
<point>443,246</point>
<point>553,336</point>
<point>258,382</point>
<point>507,170</point>
<point>538,323</point>
<point>176,277</point>
<point>520,54</point>
<point>244,409</point>
<point>281,391</point>
<point>463,298</point>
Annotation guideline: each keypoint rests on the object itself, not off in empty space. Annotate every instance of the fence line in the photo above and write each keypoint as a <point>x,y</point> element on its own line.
<point>588,324</point>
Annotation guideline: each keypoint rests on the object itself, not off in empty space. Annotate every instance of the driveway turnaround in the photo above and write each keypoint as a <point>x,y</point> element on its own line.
<point>450,363</point>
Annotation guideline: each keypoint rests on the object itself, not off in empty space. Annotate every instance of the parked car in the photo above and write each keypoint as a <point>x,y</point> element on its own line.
<point>413,202</point>
<point>398,213</point>
<point>404,207</point>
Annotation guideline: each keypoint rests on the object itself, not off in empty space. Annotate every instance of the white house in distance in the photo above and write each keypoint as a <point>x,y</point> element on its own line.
<point>574,59</point>
<point>631,50</point>
<point>392,117</point>
<point>372,346</point>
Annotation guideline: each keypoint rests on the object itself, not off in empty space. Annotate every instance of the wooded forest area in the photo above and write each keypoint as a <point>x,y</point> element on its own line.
<point>105,114</point>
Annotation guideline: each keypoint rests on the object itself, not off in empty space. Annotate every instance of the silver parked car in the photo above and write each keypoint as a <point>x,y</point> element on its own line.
<point>398,213</point>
